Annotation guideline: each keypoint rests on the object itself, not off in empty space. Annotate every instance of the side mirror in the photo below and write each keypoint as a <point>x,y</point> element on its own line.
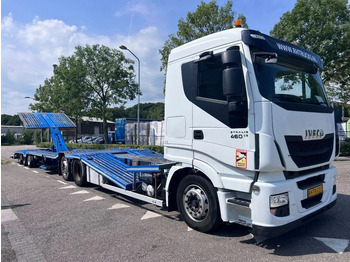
<point>231,57</point>
<point>233,82</point>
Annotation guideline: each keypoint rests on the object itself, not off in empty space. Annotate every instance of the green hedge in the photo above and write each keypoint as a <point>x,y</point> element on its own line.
<point>158,149</point>
<point>345,149</point>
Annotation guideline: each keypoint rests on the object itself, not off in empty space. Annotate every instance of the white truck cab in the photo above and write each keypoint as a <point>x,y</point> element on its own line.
<point>249,124</point>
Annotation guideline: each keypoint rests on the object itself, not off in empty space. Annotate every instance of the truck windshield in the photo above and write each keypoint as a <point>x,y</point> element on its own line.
<point>291,86</point>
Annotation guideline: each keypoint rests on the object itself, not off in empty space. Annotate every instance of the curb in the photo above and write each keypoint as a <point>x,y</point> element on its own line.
<point>21,241</point>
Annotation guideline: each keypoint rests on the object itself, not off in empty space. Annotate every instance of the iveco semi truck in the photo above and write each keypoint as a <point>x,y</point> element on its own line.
<point>249,123</point>
<point>250,138</point>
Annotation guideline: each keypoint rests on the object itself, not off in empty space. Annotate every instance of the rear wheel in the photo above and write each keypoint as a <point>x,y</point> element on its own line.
<point>64,169</point>
<point>30,161</point>
<point>198,203</point>
<point>20,159</point>
<point>25,160</point>
<point>79,173</point>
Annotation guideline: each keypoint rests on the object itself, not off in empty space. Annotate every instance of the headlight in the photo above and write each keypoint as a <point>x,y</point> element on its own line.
<point>279,200</point>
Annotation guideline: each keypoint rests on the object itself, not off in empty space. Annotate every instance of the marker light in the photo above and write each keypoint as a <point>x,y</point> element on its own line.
<point>237,23</point>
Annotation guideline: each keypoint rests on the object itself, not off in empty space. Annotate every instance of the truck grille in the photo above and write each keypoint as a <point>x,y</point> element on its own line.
<point>312,152</point>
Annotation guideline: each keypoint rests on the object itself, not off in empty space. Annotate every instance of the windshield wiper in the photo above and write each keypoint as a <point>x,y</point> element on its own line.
<point>319,103</point>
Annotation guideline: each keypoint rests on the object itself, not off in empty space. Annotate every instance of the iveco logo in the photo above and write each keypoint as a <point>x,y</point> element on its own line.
<point>312,134</point>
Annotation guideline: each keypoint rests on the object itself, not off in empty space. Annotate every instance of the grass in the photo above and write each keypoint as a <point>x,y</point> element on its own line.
<point>5,162</point>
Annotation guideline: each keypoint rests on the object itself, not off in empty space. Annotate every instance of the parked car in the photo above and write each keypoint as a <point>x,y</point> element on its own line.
<point>89,140</point>
<point>86,139</point>
<point>98,140</point>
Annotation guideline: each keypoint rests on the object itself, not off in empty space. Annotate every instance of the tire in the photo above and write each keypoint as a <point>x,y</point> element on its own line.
<point>79,173</point>
<point>20,159</point>
<point>198,204</point>
<point>65,169</point>
<point>30,161</point>
<point>25,161</point>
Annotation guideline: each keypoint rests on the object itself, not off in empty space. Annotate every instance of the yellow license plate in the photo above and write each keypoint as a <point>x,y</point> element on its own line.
<point>314,191</point>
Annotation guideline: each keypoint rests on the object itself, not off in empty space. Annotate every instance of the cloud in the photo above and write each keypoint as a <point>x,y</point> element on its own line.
<point>139,8</point>
<point>30,50</point>
<point>143,8</point>
<point>145,46</point>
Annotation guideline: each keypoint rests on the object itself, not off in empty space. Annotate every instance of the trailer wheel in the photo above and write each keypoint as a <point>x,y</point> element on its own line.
<point>198,203</point>
<point>64,169</point>
<point>79,173</point>
<point>20,159</point>
<point>25,160</point>
<point>30,161</point>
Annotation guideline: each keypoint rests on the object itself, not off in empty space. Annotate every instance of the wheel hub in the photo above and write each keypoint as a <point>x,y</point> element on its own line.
<point>64,166</point>
<point>196,203</point>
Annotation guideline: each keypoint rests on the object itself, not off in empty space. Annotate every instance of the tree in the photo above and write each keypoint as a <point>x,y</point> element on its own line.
<point>109,79</point>
<point>88,82</point>
<point>8,120</point>
<point>8,138</point>
<point>37,136</point>
<point>70,76</point>
<point>323,27</point>
<point>65,91</point>
<point>48,97</point>
<point>207,19</point>
<point>148,111</point>
<point>153,111</point>
<point>26,136</point>
<point>117,112</point>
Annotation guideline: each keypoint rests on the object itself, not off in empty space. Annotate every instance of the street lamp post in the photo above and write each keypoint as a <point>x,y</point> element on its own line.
<point>41,131</point>
<point>123,47</point>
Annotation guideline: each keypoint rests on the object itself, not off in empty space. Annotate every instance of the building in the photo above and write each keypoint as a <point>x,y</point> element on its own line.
<point>91,126</point>
<point>15,129</point>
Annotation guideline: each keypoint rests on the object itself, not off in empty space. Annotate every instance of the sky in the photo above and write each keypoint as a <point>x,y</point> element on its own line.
<point>35,33</point>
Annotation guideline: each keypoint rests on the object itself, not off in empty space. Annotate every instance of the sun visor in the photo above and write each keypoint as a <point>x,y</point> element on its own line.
<point>281,48</point>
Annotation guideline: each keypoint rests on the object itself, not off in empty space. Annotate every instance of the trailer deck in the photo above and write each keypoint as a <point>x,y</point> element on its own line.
<point>122,170</point>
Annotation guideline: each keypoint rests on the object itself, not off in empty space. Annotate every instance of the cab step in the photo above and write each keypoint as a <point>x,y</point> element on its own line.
<point>239,201</point>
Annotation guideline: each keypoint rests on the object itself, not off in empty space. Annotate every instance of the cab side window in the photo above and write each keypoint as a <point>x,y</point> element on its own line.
<point>203,82</point>
<point>210,78</point>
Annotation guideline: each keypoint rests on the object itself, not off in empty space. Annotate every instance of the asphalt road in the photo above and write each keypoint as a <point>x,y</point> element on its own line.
<point>62,222</point>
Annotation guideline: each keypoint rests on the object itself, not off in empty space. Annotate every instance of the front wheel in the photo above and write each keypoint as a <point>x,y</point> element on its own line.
<point>198,203</point>
<point>79,173</point>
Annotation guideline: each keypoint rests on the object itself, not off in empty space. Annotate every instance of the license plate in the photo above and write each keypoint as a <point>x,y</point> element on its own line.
<point>314,191</point>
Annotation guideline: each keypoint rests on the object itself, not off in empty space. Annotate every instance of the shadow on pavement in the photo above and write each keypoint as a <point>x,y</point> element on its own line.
<point>13,206</point>
<point>334,224</point>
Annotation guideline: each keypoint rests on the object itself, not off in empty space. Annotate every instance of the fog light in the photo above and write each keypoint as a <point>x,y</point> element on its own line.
<point>282,211</point>
<point>279,200</point>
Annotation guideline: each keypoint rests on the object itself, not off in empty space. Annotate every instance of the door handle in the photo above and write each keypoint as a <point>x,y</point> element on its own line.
<point>198,134</point>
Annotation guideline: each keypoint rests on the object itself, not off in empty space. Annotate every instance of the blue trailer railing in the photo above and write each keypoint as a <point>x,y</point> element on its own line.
<point>118,167</point>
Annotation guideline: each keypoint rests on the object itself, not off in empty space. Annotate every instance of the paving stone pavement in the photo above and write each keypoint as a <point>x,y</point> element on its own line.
<point>22,244</point>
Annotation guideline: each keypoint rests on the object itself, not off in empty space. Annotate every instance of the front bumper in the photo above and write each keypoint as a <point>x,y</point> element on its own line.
<point>270,232</point>
<point>302,206</point>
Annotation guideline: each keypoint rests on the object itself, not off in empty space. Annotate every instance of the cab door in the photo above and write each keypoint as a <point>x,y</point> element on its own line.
<point>220,108</point>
